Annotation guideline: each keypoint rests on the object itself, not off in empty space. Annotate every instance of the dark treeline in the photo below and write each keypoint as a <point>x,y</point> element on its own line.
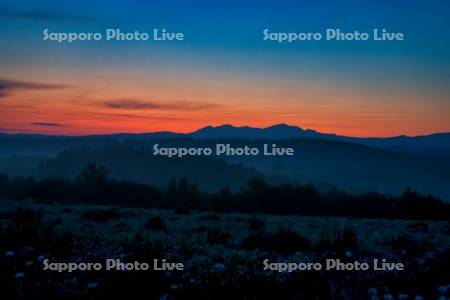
<point>346,165</point>
<point>140,166</point>
<point>93,186</point>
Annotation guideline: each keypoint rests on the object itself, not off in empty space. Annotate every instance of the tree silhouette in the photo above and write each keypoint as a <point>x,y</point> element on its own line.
<point>93,174</point>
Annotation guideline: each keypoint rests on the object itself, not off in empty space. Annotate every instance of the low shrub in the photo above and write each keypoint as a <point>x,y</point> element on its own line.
<point>338,241</point>
<point>155,223</point>
<point>217,236</point>
<point>283,241</point>
<point>256,223</point>
<point>101,215</point>
<point>407,246</point>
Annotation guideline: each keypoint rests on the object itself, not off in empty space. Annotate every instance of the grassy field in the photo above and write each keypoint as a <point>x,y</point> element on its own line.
<point>222,254</point>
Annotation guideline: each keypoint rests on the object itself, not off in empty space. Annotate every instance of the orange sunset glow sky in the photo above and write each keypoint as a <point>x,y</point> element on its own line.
<point>234,78</point>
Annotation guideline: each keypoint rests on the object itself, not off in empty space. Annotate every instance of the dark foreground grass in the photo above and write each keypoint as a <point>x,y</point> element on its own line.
<point>223,254</point>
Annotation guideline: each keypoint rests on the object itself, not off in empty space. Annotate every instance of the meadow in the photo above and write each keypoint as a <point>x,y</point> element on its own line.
<point>222,253</point>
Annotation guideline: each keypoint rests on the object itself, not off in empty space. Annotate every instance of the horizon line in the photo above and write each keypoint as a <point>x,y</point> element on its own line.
<point>35,133</point>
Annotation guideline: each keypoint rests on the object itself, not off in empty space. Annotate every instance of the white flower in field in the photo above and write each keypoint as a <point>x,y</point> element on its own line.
<point>372,291</point>
<point>9,253</point>
<point>219,267</point>
<point>20,275</point>
<point>92,285</point>
<point>443,289</point>
<point>164,297</point>
<point>73,280</point>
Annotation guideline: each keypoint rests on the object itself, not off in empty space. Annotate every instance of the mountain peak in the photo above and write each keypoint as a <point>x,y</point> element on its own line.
<point>277,131</point>
<point>282,125</point>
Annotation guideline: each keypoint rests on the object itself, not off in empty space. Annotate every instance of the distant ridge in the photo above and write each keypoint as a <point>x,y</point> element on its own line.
<point>387,165</point>
<point>434,142</point>
<point>278,131</point>
<point>284,131</point>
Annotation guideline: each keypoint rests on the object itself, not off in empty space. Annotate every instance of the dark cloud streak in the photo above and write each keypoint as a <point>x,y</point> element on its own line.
<point>7,86</point>
<point>48,124</point>
<point>39,15</point>
<point>147,105</point>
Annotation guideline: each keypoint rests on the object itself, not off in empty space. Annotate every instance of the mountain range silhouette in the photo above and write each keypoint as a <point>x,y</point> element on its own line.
<point>435,142</point>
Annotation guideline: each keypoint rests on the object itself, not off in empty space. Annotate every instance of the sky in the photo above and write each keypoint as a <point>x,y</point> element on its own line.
<point>223,72</point>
